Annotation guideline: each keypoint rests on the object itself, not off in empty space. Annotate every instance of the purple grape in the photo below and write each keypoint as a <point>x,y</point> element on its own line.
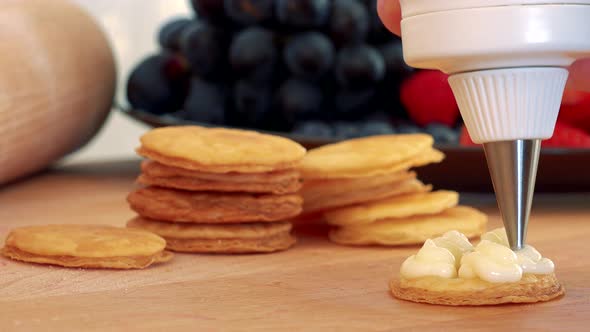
<point>303,13</point>
<point>378,115</point>
<point>158,84</point>
<point>359,66</point>
<point>204,103</point>
<point>395,66</point>
<point>408,128</point>
<point>248,12</point>
<point>253,54</point>
<point>298,100</point>
<point>370,128</point>
<point>442,134</point>
<point>205,47</point>
<point>346,130</point>
<point>169,35</point>
<point>314,129</point>
<point>209,9</point>
<point>309,55</point>
<point>251,103</point>
<point>353,104</point>
<point>349,23</point>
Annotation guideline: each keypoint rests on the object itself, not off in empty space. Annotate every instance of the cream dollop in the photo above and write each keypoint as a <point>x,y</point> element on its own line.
<point>457,243</point>
<point>529,259</point>
<point>431,260</point>
<point>497,235</point>
<point>491,262</point>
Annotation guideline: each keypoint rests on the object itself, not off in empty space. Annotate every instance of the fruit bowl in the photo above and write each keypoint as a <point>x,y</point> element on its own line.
<point>307,140</point>
<point>169,120</point>
<point>464,168</point>
<point>320,71</point>
<point>309,68</point>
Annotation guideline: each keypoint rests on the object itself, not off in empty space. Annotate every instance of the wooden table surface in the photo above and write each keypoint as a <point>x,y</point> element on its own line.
<point>317,286</point>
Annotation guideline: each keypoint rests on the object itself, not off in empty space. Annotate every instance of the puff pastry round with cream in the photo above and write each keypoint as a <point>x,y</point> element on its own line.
<point>449,270</point>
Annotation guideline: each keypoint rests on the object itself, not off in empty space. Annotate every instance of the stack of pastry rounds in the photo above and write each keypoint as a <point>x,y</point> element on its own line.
<point>213,190</point>
<point>367,190</point>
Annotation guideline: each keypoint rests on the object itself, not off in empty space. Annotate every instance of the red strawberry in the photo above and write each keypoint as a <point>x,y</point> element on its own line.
<point>428,98</point>
<point>568,136</point>
<point>575,109</point>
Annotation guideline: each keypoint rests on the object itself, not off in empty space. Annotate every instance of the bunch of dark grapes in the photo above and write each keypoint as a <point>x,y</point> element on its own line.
<point>315,67</point>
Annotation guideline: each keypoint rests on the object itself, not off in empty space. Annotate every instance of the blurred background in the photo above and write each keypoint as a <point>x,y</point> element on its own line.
<point>131,26</point>
<point>320,72</point>
<point>316,70</point>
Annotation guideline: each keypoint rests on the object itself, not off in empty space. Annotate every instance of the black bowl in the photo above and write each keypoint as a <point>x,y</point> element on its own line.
<point>464,168</point>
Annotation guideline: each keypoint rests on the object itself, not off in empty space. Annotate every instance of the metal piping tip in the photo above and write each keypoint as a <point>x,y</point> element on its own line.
<point>513,168</point>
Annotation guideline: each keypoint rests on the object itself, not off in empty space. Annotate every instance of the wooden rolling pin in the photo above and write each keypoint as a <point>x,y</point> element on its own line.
<point>57,83</point>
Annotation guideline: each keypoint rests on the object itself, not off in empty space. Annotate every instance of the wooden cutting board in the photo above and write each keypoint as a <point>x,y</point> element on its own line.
<point>317,286</point>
